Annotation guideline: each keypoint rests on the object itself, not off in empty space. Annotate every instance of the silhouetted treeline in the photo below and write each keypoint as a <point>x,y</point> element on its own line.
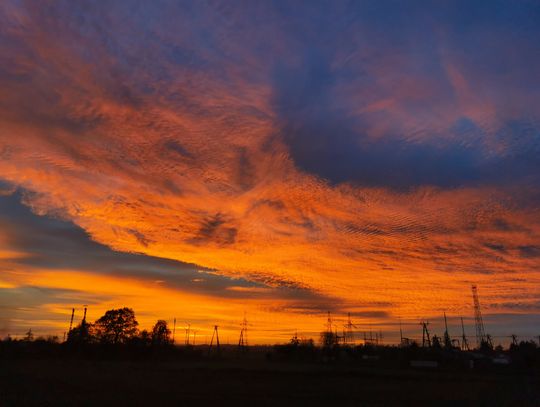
<point>116,335</point>
<point>118,326</point>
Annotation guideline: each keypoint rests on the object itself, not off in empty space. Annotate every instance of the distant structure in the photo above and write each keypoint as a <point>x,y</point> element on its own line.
<point>481,337</point>
<point>348,334</point>
<point>372,340</point>
<point>464,341</point>
<point>426,339</point>
<point>186,339</point>
<point>174,330</point>
<point>329,323</point>
<point>514,340</point>
<point>243,342</point>
<point>403,342</point>
<point>83,322</point>
<point>215,334</point>
<point>447,340</point>
<point>329,337</point>
<point>71,320</point>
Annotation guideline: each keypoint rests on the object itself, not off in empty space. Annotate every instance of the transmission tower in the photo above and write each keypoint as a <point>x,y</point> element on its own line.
<point>479,323</point>
<point>348,334</point>
<point>329,324</point>
<point>243,342</point>
<point>215,334</point>
<point>425,334</point>
<point>464,341</point>
<point>447,340</point>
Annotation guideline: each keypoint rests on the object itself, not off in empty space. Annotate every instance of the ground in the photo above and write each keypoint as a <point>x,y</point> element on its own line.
<point>257,383</point>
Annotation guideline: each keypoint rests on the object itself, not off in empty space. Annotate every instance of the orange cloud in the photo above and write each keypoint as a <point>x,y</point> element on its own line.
<point>188,162</point>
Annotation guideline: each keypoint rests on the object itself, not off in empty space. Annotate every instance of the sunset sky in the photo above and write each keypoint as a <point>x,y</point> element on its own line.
<point>200,160</point>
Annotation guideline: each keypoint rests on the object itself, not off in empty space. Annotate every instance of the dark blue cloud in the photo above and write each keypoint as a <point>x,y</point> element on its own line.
<point>328,138</point>
<point>316,57</point>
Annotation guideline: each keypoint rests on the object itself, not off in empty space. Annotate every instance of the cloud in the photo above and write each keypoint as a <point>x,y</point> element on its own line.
<point>352,152</point>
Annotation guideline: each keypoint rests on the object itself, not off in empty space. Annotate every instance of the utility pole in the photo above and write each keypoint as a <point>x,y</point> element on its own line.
<point>83,323</point>
<point>174,330</point>
<point>464,341</point>
<point>479,323</point>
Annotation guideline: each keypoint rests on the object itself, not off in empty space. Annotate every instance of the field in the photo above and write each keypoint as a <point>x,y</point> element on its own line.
<point>70,382</point>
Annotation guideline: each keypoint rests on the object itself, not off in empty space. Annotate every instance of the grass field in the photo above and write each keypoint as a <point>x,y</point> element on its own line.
<point>251,383</point>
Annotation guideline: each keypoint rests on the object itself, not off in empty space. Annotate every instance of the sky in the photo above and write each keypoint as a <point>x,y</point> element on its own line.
<point>209,160</point>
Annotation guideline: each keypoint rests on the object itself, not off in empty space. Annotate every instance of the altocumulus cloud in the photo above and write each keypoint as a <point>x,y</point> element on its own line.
<point>352,151</point>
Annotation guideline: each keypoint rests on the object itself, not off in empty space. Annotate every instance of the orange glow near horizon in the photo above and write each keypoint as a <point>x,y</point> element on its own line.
<point>377,179</point>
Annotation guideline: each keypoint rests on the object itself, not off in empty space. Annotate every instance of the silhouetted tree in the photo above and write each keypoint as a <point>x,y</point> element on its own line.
<point>435,342</point>
<point>116,326</point>
<point>29,336</point>
<point>486,346</point>
<point>82,333</point>
<point>145,336</point>
<point>161,333</point>
<point>295,341</point>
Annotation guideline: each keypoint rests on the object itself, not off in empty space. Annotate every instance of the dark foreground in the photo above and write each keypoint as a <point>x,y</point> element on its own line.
<point>244,382</point>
